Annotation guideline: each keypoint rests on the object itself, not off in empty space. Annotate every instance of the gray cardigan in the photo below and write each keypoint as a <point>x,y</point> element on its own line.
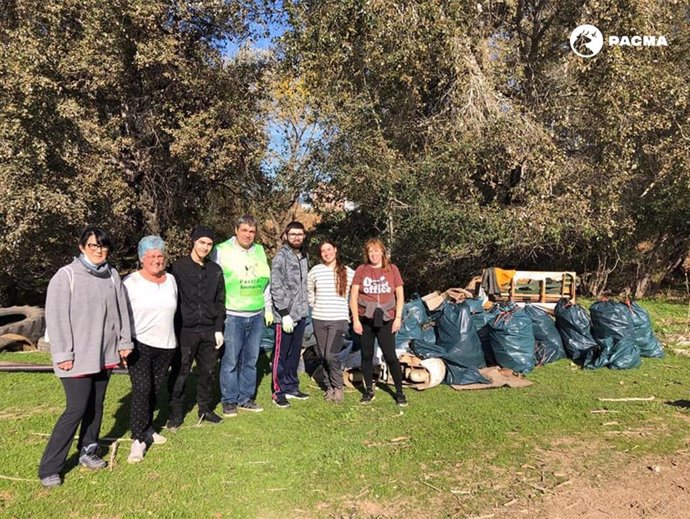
<point>86,319</point>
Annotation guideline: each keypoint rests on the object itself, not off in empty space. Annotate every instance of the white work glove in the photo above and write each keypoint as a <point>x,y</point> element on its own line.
<point>288,324</point>
<point>219,339</point>
<point>268,317</point>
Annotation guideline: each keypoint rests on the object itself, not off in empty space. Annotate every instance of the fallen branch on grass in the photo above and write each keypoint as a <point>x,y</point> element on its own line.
<point>113,452</point>
<point>10,478</point>
<point>430,485</point>
<point>537,487</point>
<point>631,399</point>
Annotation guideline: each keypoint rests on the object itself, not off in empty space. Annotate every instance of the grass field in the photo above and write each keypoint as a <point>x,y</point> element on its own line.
<point>449,454</point>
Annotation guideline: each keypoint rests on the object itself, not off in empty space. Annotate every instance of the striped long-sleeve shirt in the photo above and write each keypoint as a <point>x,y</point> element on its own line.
<point>326,304</point>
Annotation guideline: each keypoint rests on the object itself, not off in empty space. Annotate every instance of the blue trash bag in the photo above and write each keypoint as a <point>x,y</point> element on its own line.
<point>512,339</point>
<point>415,323</point>
<point>481,319</point>
<point>549,345</point>
<point>645,339</point>
<point>268,338</point>
<point>575,327</point>
<point>457,335</point>
<point>456,372</point>
<point>611,319</point>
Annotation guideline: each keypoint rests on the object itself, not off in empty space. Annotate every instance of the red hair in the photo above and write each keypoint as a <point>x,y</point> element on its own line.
<point>376,243</point>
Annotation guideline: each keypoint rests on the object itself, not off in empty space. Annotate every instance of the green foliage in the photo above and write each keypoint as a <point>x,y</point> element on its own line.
<point>119,113</point>
<point>470,135</point>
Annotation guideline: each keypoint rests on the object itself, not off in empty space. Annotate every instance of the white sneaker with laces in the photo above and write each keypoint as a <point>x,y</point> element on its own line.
<point>158,439</point>
<point>136,454</point>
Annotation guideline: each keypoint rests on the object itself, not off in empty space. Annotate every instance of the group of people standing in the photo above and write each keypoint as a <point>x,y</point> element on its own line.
<point>219,296</point>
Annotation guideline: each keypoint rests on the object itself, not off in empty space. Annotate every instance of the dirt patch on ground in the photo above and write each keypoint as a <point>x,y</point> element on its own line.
<point>651,487</point>
<point>565,480</point>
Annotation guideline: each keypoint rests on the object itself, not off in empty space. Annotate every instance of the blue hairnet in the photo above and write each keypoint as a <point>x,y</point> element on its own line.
<point>148,243</point>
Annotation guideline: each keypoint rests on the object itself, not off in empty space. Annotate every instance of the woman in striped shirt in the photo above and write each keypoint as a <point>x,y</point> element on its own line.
<point>328,290</point>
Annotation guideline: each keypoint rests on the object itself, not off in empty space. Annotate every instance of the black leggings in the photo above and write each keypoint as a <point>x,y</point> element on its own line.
<point>84,406</point>
<point>387,343</point>
<point>147,366</point>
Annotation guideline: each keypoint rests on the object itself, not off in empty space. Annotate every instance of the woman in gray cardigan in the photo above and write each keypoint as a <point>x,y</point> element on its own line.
<point>86,316</point>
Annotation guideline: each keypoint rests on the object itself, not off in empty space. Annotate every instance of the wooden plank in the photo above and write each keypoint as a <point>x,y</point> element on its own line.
<point>542,291</point>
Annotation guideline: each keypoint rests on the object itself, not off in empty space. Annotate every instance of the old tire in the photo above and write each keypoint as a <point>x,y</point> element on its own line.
<point>27,321</point>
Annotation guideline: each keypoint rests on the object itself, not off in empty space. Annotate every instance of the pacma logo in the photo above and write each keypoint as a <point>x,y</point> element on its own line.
<point>587,41</point>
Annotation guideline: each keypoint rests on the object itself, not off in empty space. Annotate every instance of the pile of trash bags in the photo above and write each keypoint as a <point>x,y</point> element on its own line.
<point>468,337</point>
<point>616,335</point>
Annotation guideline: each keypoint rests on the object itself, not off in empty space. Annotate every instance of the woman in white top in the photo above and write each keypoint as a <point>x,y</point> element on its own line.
<point>328,291</point>
<point>152,297</point>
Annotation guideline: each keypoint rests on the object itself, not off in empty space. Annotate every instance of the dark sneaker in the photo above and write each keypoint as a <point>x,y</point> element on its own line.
<point>250,406</point>
<point>401,400</point>
<point>51,481</point>
<point>367,397</point>
<point>210,417</point>
<point>89,459</point>
<point>229,410</point>
<point>297,395</point>
<point>174,423</point>
<point>281,401</point>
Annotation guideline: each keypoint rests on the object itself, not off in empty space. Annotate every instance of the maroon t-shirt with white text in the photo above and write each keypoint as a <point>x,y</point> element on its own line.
<point>377,284</point>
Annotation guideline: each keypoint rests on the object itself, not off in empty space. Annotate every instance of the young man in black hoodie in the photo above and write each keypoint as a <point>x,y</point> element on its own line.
<point>200,317</point>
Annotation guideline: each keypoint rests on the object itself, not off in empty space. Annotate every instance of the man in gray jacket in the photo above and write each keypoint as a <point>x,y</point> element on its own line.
<point>289,293</point>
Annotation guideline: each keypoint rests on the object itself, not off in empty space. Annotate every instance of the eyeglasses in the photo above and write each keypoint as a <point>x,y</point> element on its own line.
<point>95,246</point>
<point>295,234</point>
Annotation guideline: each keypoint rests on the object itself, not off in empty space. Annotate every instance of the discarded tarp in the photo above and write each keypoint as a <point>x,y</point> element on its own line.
<point>575,327</point>
<point>512,339</point>
<point>613,320</point>
<point>549,345</point>
<point>414,323</point>
<point>643,335</point>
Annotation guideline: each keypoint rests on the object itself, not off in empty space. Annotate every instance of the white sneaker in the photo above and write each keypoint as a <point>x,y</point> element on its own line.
<point>137,453</point>
<point>158,439</point>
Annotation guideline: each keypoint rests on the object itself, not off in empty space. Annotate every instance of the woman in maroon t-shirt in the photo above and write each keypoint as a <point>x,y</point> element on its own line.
<point>376,302</point>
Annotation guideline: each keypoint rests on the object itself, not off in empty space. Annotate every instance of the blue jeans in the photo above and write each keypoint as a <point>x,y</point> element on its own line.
<point>238,365</point>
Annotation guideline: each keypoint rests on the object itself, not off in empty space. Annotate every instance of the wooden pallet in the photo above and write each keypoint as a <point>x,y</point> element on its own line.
<point>532,286</point>
<point>540,287</point>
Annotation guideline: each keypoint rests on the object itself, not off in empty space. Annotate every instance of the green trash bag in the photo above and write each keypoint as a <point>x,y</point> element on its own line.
<point>611,319</point>
<point>415,324</point>
<point>575,327</point>
<point>644,336</point>
<point>512,339</point>
<point>549,345</point>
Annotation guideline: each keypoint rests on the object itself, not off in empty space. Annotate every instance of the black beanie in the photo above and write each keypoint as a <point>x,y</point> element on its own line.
<point>201,231</point>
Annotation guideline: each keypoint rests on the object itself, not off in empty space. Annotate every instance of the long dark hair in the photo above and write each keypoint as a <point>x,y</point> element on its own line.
<point>340,270</point>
